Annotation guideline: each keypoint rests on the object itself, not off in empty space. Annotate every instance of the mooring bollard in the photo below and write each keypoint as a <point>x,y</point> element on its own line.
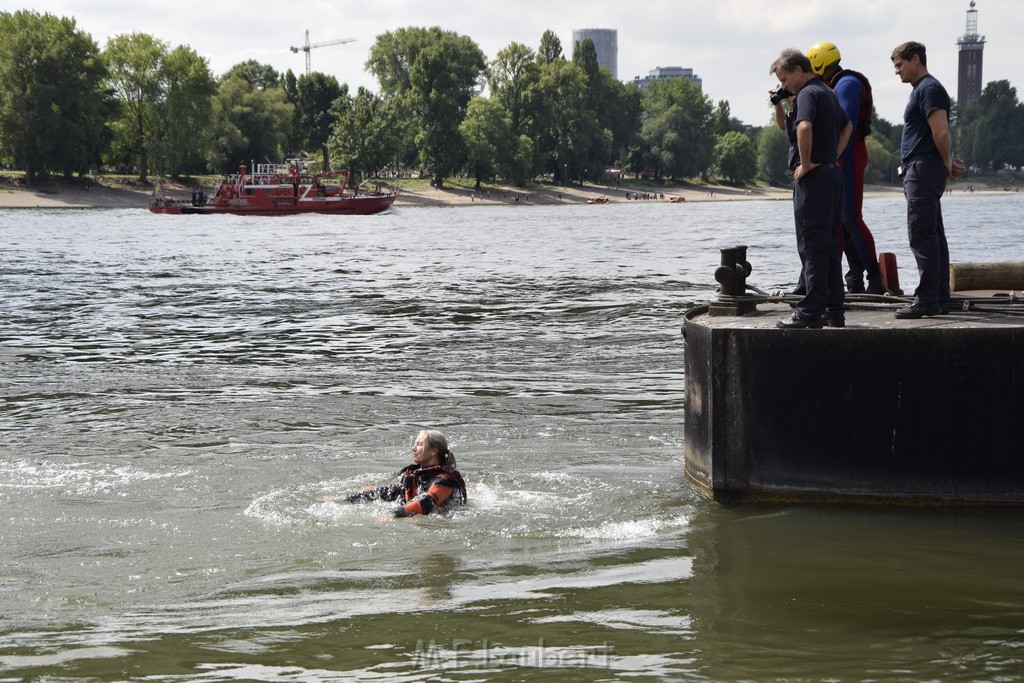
<point>890,274</point>
<point>732,276</point>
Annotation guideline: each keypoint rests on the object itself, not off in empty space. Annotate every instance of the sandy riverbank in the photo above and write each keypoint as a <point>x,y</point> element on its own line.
<point>73,195</point>
<point>456,194</point>
<point>127,194</point>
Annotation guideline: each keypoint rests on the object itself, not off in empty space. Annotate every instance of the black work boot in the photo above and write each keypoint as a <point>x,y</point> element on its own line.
<point>875,285</point>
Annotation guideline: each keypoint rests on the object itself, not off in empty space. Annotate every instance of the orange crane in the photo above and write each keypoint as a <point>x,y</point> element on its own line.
<point>307,46</point>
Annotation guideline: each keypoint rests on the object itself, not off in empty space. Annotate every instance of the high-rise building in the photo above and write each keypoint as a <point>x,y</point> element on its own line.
<point>968,87</point>
<point>606,43</point>
<point>662,73</point>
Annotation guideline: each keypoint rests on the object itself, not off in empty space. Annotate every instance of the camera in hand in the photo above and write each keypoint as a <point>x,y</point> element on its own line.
<point>779,94</point>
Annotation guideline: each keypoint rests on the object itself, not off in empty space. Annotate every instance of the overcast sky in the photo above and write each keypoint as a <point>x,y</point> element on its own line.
<point>728,43</point>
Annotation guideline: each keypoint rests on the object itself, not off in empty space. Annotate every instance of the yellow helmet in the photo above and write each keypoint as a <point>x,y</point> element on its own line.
<point>822,55</point>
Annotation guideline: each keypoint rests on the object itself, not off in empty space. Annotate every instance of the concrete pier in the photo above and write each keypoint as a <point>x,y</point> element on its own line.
<point>882,410</point>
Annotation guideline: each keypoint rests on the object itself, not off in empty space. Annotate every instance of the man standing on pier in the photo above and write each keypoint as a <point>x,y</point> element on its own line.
<point>927,163</point>
<point>818,129</point>
<point>854,93</point>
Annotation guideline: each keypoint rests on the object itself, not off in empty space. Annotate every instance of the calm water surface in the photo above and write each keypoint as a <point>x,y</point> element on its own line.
<point>177,392</point>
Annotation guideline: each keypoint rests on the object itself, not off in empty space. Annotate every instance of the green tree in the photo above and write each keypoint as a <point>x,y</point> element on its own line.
<point>585,54</point>
<point>393,56</point>
<point>259,76</point>
<point>136,65</point>
<point>571,137</point>
<point>518,166</point>
<point>888,135</point>
<point>434,74</point>
<point>735,157</point>
<point>882,162</point>
<point>52,104</point>
<point>295,140</point>
<point>316,95</point>
<point>724,120</point>
<point>364,137</point>
<point>550,48</point>
<point>252,123</point>
<point>226,137</point>
<point>617,106</point>
<point>489,139</point>
<point>598,101</point>
<point>622,116</point>
<point>514,77</point>
<point>773,155</point>
<point>445,76</point>
<point>184,132</point>
<point>992,129</point>
<point>678,131</point>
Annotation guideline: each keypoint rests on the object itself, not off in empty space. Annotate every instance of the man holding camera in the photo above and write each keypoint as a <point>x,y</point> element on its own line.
<point>854,93</point>
<point>818,130</point>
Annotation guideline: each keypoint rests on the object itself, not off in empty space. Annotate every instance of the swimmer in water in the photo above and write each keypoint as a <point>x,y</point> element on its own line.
<point>429,483</point>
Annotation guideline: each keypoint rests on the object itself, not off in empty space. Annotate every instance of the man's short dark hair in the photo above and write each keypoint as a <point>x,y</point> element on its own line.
<point>906,52</point>
<point>789,60</point>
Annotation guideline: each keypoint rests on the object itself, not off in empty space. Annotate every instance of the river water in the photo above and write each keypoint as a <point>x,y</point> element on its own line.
<point>178,392</point>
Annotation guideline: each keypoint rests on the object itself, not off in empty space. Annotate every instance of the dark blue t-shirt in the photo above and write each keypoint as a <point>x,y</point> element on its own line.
<point>927,96</point>
<point>817,104</point>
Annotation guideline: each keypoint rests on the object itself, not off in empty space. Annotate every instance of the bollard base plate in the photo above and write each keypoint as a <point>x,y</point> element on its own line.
<point>732,308</point>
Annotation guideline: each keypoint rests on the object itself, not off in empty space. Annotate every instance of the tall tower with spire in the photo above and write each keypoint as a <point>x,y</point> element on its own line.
<point>971,48</point>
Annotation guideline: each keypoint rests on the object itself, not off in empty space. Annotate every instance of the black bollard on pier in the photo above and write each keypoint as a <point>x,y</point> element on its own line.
<point>732,276</point>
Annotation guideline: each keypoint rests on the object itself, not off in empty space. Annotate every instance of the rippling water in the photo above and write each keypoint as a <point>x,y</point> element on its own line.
<point>177,392</point>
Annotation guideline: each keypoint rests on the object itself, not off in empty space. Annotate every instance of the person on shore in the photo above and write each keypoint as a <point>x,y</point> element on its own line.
<point>927,163</point>
<point>854,92</point>
<point>818,130</point>
<point>430,483</point>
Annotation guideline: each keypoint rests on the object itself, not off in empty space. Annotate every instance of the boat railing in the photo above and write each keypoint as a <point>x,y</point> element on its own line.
<point>273,169</point>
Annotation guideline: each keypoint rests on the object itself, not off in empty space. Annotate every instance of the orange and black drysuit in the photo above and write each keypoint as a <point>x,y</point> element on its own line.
<point>421,488</point>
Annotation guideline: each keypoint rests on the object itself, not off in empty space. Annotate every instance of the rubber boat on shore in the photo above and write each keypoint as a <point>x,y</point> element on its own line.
<point>279,190</point>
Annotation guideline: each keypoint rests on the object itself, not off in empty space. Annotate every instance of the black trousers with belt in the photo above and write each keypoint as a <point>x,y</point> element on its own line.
<point>818,212</point>
<point>924,183</point>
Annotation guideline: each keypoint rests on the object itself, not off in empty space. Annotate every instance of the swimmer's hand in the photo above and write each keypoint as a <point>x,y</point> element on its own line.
<point>351,498</point>
<point>396,513</point>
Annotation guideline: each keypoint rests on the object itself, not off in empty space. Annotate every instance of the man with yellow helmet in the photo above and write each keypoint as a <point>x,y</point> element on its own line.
<point>854,93</point>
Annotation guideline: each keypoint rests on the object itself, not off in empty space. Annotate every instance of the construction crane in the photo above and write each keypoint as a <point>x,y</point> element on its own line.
<point>307,46</point>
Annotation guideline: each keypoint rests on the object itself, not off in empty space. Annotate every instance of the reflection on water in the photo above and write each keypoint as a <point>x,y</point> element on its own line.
<point>177,394</point>
<point>921,594</point>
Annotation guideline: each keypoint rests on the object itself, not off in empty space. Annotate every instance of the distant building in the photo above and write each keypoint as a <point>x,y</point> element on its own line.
<point>606,43</point>
<point>968,87</point>
<point>666,73</point>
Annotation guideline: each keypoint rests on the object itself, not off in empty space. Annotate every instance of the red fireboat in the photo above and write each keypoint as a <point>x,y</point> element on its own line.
<point>279,190</point>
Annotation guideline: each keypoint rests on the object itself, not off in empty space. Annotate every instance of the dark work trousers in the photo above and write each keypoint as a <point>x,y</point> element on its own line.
<point>818,211</point>
<point>924,183</point>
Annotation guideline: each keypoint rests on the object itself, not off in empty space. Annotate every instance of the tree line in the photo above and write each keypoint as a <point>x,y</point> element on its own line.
<point>67,107</point>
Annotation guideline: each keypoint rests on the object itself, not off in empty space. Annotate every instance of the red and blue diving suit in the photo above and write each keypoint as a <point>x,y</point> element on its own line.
<point>854,93</point>
<point>420,490</point>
